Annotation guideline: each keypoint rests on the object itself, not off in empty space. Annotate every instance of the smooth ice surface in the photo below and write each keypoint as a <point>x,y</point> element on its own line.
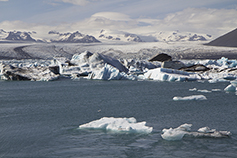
<point>118,125</point>
<point>192,97</point>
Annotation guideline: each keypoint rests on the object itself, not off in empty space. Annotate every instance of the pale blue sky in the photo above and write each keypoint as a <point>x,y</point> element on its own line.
<point>46,11</point>
<point>143,16</point>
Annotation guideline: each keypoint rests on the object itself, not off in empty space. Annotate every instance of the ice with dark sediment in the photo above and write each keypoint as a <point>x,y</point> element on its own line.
<point>185,130</point>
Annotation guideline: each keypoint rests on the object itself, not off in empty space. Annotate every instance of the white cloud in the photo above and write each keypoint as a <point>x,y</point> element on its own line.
<point>75,2</point>
<point>215,21</point>
<point>211,21</point>
<point>3,0</point>
<point>115,16</point>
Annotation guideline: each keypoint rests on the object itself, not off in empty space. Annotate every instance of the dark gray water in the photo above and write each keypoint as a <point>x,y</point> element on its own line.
<point>41,119</point>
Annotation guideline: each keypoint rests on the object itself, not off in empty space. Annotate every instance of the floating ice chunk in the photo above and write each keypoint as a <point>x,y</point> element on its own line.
<point>204,91</point>
<point>185,129</point>
<point>109,72</point>
<point>164,74</point>
<point>234,83</point>
<point>206,130</point>
<point>230,88</point>
<point>216,90</point>
<point>177,133</point>
<point>225,62</point>
<point>118,125</point>
<point>194,89</point>
<point>210,134</point>
<point>172,134</point>
<point>192,97</point>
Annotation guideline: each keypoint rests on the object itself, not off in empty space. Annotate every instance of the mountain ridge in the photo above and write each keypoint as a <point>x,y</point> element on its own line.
<point>227,40</point>
<point>104,35</point>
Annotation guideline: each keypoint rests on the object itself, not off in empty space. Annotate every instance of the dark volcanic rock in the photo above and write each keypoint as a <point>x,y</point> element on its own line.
<point>227,40</point>
<point>161,57</point>
<point>195,68</point>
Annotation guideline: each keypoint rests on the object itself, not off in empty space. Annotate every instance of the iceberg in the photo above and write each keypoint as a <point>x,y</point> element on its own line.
<point>95,66</point>
<point>232,87</point>
<point>34,73</point>
<point>129,125</point>
<point>204,91</point>
<point>192,97</point>
<point>96,60</point>
<point>177,133</point>
<point>165,74</point>
<point>185,130</point>
<point>109,72</point>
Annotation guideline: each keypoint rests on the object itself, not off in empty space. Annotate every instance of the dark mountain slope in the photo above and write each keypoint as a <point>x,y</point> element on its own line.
<point>227,40</point>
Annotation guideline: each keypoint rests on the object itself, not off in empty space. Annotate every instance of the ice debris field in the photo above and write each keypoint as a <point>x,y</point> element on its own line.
<point>96,66</point>
<point>130,125</point>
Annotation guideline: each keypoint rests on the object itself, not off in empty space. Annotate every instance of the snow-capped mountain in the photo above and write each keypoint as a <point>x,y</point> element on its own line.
<point>20,36</point>
<point>109,35</point>
<point>171,36</point>
<point>175,36</point>
<point>3,34</point>
<point>75,37</point>
<point>119,36</point>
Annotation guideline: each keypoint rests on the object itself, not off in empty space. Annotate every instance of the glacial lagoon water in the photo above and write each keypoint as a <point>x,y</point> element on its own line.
<point>41,119</point>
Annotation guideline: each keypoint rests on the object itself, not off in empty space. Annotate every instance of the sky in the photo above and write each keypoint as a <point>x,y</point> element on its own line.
<point>214,17</point>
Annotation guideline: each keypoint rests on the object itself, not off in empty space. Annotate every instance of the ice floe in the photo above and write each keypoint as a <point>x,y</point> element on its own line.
<point>204,91</point>
<point>118,125</point>
<point>192,97</point>
<point>232,87</point>
<point>185,130</point>
<point>165,74</point>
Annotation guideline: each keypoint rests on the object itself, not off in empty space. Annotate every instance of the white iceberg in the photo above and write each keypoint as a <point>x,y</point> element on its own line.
<point>206,130</point>
<point>118,125</point>
<point>176,133</point>
<point>204,91</point>
<point>234,83</point>
<point>109,72</point>
<point>194,89</point>
<point>192,97</point>
<point>230,88</point>
<point>185,129</point>
<point>165,74</point>
<point>96,60</point>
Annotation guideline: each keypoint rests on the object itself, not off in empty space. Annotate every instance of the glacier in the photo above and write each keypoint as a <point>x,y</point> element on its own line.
<point>129,125</point>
